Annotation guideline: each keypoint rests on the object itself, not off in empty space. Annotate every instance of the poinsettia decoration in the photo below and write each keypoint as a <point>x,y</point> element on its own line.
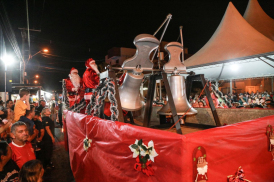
<point>144,156</point>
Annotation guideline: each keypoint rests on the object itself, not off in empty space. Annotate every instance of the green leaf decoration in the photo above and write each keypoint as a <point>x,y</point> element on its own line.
<point>199,148</point>
<point>150,148</point>
<point>204,155</point>
<point>140,158</point>
<point>140,142</point>
<point>134,146</point>
<point>143,160</point>
<point>194,159</point>
<point>144,147</point>
<point>147,156</point>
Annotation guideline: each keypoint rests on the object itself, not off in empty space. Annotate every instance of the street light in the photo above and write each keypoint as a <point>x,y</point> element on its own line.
<point>44,50</point>
<point>35,81</point>
<point>36,76</point>
<point>8,60</point>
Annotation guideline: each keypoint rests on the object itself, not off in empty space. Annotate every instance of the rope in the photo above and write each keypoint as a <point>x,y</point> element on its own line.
<point>78,107</point>
<point>99,94</point>
<point>187,110</point>
<point>65,98</point>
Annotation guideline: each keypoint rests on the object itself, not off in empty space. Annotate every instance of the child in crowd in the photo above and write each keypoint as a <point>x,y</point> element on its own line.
<point>21,107</point>
<point>31,171</point>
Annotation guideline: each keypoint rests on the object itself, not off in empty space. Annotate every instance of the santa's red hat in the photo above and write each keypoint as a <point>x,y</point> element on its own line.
<point>88,61</point>
<point>73,70</point>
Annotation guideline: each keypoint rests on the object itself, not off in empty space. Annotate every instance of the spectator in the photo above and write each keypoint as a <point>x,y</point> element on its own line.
<point>60,112</point>
<point>27,119</point>
<point>10,104</point>
<point>41,132</point>
<point>201,104</point>
<point>5,124</point>
<point>21,107</point>
<point>53,111</point>
<point>8,168</point>
<point>22,150</point>
<point>32,171</point>
<point>42,105</point>
<point>48,138</point>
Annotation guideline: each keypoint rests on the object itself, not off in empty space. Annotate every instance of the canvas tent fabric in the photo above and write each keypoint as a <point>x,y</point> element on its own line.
<point>257,18</point>
<point>234,51</point>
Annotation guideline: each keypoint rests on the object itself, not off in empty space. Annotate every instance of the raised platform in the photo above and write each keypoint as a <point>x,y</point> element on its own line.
<point>225,148</point>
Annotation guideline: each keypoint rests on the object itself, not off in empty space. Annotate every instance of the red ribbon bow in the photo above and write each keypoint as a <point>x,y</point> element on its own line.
<point>145,168</point>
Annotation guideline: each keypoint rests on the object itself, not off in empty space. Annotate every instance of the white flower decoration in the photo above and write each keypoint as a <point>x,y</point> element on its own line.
<point>135,150</point>
<point>152,152</point>
<point>143,150</point>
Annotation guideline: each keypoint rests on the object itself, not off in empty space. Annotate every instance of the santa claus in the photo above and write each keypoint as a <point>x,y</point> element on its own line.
<point>73,85</point>
<point>90,78</point>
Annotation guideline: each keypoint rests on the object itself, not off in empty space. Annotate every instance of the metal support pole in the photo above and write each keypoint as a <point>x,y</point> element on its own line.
<point>182,42</point>
<point>160,91</point>
<point>6,84</point>
<point>171,104</point>
<point>150,93</point>
<point>213,109</point>
<point>230,86</point>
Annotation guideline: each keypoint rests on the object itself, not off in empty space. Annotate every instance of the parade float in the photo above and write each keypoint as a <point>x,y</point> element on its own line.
<point>108,149</point>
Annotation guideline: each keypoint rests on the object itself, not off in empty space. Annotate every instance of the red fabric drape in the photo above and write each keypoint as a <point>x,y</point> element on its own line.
<point>110,159</point>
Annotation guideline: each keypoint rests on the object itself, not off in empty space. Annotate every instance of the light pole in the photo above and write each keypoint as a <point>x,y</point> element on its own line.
<point>7,59</point>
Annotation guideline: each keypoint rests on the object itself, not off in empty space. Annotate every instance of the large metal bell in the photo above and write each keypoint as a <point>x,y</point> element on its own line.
<point>178,91</point>
<point>129,92</point>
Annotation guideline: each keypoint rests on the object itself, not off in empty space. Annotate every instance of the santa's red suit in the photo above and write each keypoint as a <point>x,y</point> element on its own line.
<point>90,78</point>
<point>73,86</point>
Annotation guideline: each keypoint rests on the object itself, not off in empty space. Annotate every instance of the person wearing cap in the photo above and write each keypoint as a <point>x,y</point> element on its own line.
<point>90,78</point>
<point>73,85</point>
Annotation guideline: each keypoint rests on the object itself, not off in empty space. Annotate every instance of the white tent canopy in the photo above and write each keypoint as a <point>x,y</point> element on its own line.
<point>233,51</point>
<point>257,18</point>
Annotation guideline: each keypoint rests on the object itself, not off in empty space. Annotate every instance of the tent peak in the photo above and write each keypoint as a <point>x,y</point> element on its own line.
<point>257,18</point>
<point>234,38</point>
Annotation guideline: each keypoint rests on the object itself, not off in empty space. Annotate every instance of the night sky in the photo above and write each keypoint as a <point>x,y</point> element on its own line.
<point>76,30</point>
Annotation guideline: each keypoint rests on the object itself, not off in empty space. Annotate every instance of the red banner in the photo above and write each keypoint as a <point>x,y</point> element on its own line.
<point>225,148</point>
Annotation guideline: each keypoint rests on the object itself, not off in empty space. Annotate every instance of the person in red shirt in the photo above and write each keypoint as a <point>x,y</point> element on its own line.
<point>22,150</point>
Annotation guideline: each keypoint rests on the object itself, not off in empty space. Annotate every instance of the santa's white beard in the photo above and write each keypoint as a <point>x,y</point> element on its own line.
<point>95,68</point>
<point>75,80</point>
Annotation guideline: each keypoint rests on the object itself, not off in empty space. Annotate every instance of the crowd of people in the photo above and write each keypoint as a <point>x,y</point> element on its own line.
<point>232,100</point>
<point>26,138</point>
